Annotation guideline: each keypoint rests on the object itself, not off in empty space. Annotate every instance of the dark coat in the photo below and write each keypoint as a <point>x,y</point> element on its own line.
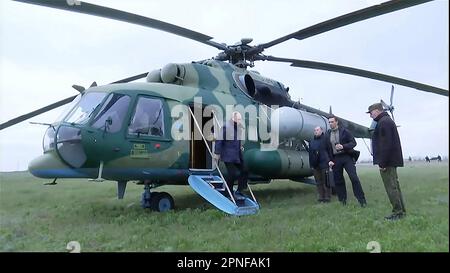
<point>318,154</point>
<point>229,146</point>
<point>386,147</point>
<point>346,139</point>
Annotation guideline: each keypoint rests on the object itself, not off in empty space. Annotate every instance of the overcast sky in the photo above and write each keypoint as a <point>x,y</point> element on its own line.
<point>44,51</point>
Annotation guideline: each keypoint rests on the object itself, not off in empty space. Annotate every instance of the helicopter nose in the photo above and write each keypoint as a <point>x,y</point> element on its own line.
<point>49,165</point>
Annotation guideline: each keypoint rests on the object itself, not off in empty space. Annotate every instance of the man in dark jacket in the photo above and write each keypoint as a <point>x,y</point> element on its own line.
<point>229,150</point>
<point>387,154</point>
<point>340,144</point>
<point>318,161</point>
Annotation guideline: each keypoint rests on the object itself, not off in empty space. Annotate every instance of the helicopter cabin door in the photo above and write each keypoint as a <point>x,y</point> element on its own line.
<point>200,158</point>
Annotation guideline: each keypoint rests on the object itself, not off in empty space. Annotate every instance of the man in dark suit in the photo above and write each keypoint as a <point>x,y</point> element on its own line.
<point>387,154</point>
<point>340,144</point>
<point>318,161</point>
<point>228,148</point>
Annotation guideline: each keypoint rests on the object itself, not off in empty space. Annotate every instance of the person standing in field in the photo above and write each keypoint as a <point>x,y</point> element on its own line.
<point>387,154</point>
<point>318,161</point>
<point>340,147</point>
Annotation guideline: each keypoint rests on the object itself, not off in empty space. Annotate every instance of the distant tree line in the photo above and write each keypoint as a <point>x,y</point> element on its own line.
<point>426,158</point>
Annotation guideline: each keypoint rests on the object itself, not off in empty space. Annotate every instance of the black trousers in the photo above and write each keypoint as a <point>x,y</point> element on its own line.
<point>236,171</point>
<point>341,162</point>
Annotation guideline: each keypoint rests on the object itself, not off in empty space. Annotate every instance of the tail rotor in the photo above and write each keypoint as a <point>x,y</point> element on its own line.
<point>389,107</point>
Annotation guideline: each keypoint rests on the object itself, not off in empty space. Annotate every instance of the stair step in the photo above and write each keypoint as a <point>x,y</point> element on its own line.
<point>217,186</point>
<point>213,189</point>
<point>211,179</point>
<point>216,182</point>
<point>246,210</point>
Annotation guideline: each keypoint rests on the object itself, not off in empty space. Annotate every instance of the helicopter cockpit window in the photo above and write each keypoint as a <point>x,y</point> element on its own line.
<point>68,108</point>
<point>84,109</point>
<point>148,118</point>
<point>111,115</point>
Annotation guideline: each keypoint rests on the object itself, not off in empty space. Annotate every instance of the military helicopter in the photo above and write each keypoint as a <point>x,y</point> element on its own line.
<point>99,136</point>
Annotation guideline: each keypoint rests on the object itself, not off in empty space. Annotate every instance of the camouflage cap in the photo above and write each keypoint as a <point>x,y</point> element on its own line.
<point>374,106</point>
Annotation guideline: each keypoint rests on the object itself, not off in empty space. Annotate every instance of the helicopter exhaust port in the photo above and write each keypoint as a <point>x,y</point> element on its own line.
<point>247,81</point>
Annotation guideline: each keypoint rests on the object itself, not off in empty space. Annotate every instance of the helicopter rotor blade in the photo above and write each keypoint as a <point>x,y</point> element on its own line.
<point>132,78</point>
<point>62,102</point>
<point>341,21</point>
<point>105,12</point>
<point>358,72</point>
<point>36,112</point>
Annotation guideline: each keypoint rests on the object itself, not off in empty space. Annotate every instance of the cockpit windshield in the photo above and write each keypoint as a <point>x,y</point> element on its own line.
<point>89,102</point>
<point>68,108</point>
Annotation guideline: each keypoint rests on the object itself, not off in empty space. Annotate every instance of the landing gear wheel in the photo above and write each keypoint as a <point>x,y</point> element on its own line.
<point>162,201</point>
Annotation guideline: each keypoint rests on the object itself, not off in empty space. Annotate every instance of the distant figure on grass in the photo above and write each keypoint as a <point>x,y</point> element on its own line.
<point>318,160</point>
<point>438,158</point>
<point>427,159</point>
<point>387,154</point>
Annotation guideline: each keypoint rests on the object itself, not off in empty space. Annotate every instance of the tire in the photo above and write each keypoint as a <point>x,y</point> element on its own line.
<point>162,201</point>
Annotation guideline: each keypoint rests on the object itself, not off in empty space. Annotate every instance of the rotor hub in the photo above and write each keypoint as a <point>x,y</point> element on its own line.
<point>241,54</point>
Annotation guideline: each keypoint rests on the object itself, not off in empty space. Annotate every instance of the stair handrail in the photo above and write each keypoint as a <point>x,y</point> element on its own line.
<point>212,156</point>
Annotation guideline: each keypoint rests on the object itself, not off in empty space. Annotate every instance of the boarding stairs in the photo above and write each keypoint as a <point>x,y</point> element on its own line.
<point>214,189</point>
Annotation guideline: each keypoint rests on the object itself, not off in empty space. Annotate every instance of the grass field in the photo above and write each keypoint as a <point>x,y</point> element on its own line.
<point>34,217</point>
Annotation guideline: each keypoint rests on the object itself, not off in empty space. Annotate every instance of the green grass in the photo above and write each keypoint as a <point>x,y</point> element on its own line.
<point>34,217</point>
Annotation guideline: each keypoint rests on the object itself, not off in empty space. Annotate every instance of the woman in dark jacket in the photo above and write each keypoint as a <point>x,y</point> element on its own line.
<point>318,161</point>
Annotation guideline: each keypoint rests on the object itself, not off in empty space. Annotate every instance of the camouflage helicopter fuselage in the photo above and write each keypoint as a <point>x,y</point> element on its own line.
<point>74,149</point>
